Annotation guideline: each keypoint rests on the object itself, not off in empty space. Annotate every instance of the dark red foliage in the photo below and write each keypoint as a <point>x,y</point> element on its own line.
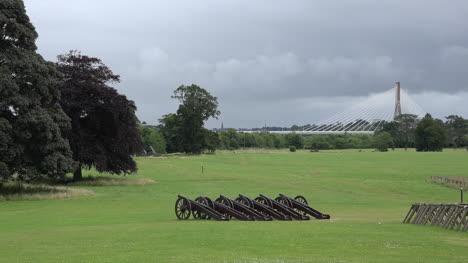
<point>104,126</point>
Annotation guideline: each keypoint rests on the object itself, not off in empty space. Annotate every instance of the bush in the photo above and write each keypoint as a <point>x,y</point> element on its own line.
<point>292,148</point>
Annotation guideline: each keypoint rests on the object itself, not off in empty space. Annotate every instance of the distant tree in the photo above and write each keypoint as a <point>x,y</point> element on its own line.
<point>383,141</point>
<point>341,143</point>
<point>456,130</point>
<point>318,142</point>
<point>169,127</point>
<point>392,127</point>
<point>212,141</point>
<point>296,140</point>
<point>104,131</point>
<point>406,126</point>
<point>295,128</point>
<point>430,135</point>
<point>32,123</point>
<point>152,139</point>
<point>230,139</point>
<point>197,106</point>
<point>279,141</point>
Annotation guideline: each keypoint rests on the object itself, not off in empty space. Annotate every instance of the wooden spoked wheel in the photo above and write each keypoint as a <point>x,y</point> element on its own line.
<point>183,208</point>
<point>225,202</point>
<point>197,214</point>
<point>210,204</point>
<point>284,201</point>
<point>244,201</point>
<point>301,199</point>
<point>263,200</point>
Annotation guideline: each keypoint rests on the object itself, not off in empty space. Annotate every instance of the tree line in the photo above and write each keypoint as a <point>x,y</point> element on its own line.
<point>406,131</point>
<point>426,134</point>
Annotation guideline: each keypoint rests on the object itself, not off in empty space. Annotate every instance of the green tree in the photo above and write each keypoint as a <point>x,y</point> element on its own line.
<point>104,131</point>
<point>430,135</point>
<point>32,123</point>
<point>392,127</point>
<point>169,127</point>
<point>465,139</point>
<point>406,125</point>
<point>279,141</point>
<point>296,140</point>
<point>153,140</point>
<point>212,141</point>
<point>456,130</point>
<point>341,143</point>
<point>317,142</point>
<point>197,106</point>
<point>231,139</point>
<point>383,141</point>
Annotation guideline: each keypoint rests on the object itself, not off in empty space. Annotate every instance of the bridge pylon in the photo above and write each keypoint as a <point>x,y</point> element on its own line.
<point>397,101</point>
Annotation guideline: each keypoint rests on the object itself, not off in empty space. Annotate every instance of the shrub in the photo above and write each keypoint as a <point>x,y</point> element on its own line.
<point>292,148</point>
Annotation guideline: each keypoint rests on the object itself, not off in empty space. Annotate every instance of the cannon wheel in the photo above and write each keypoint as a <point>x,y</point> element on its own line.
<point>183,208</point>
<point>283,201</point>
<point>263,201</point>
<point>301,199</point>
<point>244,201</point>
<point>210,204</point>
<point>226,203</point>
<point>197,214</point>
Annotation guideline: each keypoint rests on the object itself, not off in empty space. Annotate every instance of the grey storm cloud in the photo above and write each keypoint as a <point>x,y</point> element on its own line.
<point>280,62</point>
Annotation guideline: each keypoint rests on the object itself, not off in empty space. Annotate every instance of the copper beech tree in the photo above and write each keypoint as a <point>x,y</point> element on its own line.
<point>104,132</point>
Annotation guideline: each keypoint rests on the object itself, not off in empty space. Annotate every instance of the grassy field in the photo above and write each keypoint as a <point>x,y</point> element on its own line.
<point>366,193</point>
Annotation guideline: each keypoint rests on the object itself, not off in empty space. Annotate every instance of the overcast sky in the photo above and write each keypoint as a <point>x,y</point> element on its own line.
<point>279,62</point>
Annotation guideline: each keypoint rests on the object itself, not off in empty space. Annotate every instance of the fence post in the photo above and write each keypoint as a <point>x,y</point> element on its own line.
<point>461,195</point>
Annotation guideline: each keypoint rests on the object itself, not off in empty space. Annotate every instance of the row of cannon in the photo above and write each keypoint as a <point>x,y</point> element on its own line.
<point>262,208</point>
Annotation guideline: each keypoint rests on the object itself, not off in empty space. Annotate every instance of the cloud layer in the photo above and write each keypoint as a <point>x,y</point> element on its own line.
<point>284,63</point>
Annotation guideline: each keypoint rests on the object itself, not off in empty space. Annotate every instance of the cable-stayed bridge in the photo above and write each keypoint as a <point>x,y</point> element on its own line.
<point>367,116</point>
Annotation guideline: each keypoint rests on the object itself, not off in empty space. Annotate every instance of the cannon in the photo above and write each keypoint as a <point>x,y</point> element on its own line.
<point>244,208</point>
<point>262,208</point>
<point>185,206</point>
<point>220,205</point>
<point>281,207</point>
<point>300,205</point>
<point>252,213</point>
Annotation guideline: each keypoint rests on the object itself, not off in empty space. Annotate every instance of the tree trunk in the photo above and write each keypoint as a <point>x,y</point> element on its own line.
<point>78,175</point>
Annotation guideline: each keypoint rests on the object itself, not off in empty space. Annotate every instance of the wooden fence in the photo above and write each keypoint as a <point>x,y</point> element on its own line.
<point>448,216</point>
<point>454,182</point>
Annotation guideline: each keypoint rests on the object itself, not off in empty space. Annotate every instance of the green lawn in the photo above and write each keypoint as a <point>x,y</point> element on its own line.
<point>366,193</point>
